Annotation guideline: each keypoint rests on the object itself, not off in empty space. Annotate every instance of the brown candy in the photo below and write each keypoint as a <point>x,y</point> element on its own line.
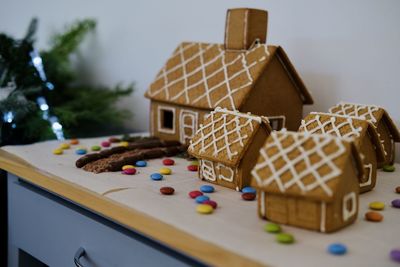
<point>167,190</point>
<point>373,216</point>
<point>398,190</point>
<point>249,196</point>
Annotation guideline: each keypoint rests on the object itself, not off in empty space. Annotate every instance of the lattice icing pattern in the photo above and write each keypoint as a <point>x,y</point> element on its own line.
<point>339,125</point>
<point>370,113</point>
<point>299,163</point>
<point>206,76</point>
<point>224,135</point>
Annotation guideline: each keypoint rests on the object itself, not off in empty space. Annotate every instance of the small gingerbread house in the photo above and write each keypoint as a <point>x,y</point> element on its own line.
<point>361,131</point>
<point>308,181</point>
<point>384,125</point>
<point>242,74</point>
<point>225,145</point>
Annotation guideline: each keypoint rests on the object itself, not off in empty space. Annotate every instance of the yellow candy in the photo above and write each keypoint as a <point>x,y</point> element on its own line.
<point>127,167</point>
<point>57,151</point>
<point>377,205</point>
<point>195,162</point>
<point>123,143</point>
<point>64,146</point>
<point>204,209</point>
<point>165,171</point>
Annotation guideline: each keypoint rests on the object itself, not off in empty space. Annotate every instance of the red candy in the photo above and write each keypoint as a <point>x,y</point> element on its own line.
<point>194,194</point>
<point>168,162</point>
<point>129,171</point>
<point>211,203</point>
<point>105,144</point>
<point>192,168</point>
<point>249,196</point>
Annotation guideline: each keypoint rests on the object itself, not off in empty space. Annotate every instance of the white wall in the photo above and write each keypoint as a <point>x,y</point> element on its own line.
<point>344,50</point>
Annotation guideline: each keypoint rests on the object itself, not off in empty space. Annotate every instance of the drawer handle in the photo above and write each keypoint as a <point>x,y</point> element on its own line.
<point>78,255</point>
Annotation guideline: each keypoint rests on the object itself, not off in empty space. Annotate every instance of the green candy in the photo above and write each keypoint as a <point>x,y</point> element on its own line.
<point>96,148</point>
<point>272,228</point>
<point>389,168</point>
<point>285,238</point>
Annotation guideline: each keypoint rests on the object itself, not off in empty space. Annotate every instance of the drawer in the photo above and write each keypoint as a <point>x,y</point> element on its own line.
<point>52,230</point>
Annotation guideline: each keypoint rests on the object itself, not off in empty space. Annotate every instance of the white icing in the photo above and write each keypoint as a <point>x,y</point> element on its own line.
<point>275,142</point>
<point>368,168</point>
<point>246,15</point>
<point>219,59</point>
<point>226,178</point>
<point>159,123</point>
<point>347,214</point>
<point>280,117</point>
<point>229,127</point>
<point>207,170</point>
<point>262,203</point>
<point>184,113</point>
<point>322,226</point>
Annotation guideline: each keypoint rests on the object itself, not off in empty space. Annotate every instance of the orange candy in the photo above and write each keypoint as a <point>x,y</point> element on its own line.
<point>373,216</point>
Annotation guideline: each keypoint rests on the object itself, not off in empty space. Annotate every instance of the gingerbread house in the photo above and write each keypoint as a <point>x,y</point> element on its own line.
<point>308,181</point>
<point>242,74</point>
<point>384,125</point>
<point>225,145</point>
<point>361,131</point>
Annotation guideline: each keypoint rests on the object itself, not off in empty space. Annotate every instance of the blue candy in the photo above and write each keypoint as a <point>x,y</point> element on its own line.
<point>206,188</point>
<point>156,176</point>
<point>80,151</point>
<point>249,189</point>
<point>337,249</point>
<point>201,199</point>
<point>141,163</point>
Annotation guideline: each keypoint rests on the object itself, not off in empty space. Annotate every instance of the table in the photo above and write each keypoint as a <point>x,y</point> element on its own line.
<point>232,236</point>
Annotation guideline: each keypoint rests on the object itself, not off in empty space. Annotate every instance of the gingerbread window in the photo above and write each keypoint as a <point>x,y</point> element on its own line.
<point>166,119</point>
<point>277,122</point>
<point>349,206</point>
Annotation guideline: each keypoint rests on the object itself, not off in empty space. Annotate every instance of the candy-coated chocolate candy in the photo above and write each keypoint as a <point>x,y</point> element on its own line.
<point>124,143</point>
<point>96,148</point>
<point>249,189</point>
<point>193,168</point>
<point>194,194</point>
<point>396,203</point>
<point>141,163</point>
<point>74,141</point>
<point>284,238</point>
<point>114,140</point>
<point>377,205</point>
<point>249,196</point>
<point>373,216</point>
<point>204,209</point>
<point>194,162</point>
<point>128,167</point>
<point>165,171</point>
<point>156,176</point>
<point>64,146</point>
<point>337,249</point>
<point>212,203</point>
<point>395,255</point>
<point>397,190</point>
<point>389,168</point>
<point>167,190</point>
<point>81,151</point>
<point>129,171</point>
<point>168,162</point>
<point>207,188</point>
<point>57,151</point>
<point>272,228</point>
<point>105,144</point>
<point>201,199</point>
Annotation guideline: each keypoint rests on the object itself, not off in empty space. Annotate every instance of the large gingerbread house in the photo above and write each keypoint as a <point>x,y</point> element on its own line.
<point>384,125</point>
<point>226,145</point>
<point>361,131</point>
<point>309,181</point>
<point>242,74</point>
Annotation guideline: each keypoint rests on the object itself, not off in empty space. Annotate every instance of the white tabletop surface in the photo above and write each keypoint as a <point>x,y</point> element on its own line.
<point>234,225</point>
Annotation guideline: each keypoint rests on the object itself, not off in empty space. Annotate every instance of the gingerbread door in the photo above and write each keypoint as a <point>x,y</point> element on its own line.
<point>188,125</point>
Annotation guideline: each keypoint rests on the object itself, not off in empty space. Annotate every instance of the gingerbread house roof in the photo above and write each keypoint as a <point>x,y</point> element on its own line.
<point>343,126</point>
<point>371,113</point>
<point>225,135</point>
<point>207,76</point>
<point>303,164</point>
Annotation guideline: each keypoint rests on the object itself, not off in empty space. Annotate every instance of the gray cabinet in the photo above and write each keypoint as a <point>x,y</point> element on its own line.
<point>52,229</point>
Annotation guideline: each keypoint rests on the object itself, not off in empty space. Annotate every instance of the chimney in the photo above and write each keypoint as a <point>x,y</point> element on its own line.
<point>243,26</point>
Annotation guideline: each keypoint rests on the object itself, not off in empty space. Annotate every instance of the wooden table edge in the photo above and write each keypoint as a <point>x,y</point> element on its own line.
<point>179,240</point>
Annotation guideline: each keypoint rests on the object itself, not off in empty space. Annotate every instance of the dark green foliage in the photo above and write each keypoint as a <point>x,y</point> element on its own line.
<point>82,109</point>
